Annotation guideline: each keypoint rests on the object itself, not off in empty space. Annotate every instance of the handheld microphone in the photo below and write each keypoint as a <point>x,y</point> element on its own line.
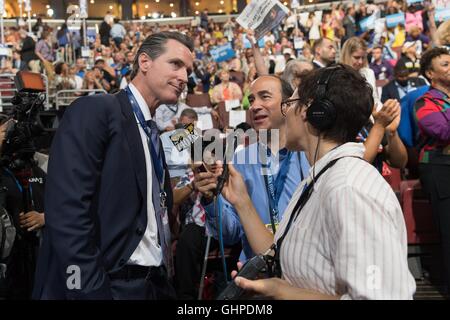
<point>225,173</point>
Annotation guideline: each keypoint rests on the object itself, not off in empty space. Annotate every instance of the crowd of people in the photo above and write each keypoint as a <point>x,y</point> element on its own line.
<point>330,88</point>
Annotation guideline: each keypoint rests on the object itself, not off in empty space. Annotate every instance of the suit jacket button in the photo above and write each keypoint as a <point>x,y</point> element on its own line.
<point>139,231</point>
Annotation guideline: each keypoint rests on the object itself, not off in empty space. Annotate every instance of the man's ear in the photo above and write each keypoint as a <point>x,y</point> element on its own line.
<point>145,62</point>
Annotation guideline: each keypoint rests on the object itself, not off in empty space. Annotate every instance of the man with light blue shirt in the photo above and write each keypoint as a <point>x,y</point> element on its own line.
<point>271,192</point>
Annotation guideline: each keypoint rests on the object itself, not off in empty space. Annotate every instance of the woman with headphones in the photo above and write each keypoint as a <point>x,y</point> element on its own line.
<point>343,235</point>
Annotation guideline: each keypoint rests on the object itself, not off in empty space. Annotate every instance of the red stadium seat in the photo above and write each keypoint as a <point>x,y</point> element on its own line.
<point>422,234</point>
<point>418,214</point>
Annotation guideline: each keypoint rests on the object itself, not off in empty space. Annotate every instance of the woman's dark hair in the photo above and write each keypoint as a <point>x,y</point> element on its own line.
<point>59,67</point>
<point>351,96</point>
<point>155,45</point>
<point>427,59</point>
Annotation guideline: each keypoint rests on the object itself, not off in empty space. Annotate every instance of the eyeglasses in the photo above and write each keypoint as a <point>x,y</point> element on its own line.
<point>285,105</point>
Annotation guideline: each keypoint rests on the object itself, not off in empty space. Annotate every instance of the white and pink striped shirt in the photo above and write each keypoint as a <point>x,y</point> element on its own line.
<point>350,237</point>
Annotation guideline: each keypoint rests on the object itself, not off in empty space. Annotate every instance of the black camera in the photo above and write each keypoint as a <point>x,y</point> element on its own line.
<point>29,121</point>
<point>249,270</point>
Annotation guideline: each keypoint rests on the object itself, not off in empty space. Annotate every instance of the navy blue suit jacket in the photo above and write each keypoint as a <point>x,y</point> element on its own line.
<point>95,199</point>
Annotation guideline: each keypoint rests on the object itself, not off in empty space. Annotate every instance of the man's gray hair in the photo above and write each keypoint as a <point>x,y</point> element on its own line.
<point>155,45</point>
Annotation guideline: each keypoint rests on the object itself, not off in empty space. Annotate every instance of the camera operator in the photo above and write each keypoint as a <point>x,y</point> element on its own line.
<point>21,263</point>
<point>341,237</point>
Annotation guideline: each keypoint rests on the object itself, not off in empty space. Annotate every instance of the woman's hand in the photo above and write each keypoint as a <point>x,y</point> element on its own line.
<point>387,114</point>
<point>235,190</point>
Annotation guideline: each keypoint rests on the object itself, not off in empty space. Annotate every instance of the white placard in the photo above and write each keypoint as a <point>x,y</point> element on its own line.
<point>85,52</point>
<point>27,5</point>
<point>237,117</point>
<point>5,52</point>
<point>2,7</point>
<point>299,43</point>
<point>295,4</point>
<point>303,17</point>
<point>231,104</point>
<point>83,9</point>
<point>205,121</point>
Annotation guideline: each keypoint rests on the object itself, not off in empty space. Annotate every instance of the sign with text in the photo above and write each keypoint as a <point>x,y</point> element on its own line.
<point>394,20</point>
<point>367,23</point>
<point>223,53</point>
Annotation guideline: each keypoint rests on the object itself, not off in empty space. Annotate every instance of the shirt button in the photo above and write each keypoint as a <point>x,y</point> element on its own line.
<point>139,231</point>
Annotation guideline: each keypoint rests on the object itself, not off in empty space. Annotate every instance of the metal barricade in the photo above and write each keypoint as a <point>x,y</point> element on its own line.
<point>66,97</point>
<point>7,91</point>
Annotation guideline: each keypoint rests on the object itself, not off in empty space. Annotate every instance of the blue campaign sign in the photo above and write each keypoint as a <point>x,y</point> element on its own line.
<point>410,2</point>
<point>367,23</point>
<point>395,19</point>
<point>442,14</point>
<point>222,53</point>
<point>247,44</point>
<point>91,34</point>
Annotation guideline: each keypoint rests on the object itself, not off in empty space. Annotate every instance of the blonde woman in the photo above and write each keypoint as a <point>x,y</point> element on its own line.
<point>354,54</point>
<point>386,118</point>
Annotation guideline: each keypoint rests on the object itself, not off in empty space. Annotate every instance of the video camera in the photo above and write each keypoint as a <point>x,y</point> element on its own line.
<point>29,121</point>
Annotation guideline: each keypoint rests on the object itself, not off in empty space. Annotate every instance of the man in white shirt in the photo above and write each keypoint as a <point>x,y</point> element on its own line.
<point>108,190</point>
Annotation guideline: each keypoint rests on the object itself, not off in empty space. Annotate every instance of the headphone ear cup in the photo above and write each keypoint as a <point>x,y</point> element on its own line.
<point>321,114</point>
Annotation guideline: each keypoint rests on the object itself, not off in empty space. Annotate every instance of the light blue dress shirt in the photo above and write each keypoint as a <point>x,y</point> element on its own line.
<point>232,229</point>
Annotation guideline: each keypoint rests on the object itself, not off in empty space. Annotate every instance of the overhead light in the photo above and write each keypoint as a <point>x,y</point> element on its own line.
<point>92,1</point>
<point>197,4</point>
<point>196,12</point>
<point>146,6</point>
<point>149,15</point>
<point>50,12</point>
<point>220,10</point>
<point>171,5</point>
<point>157,1</point>
<point>155,15</point>
<point>110,7</point>
<point>47,6</point>
<point>221,2</point>
<point>173,14</point>
<point>143,18</point>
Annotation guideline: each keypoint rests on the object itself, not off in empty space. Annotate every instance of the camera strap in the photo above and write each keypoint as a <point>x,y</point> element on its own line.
<point>304,197</point>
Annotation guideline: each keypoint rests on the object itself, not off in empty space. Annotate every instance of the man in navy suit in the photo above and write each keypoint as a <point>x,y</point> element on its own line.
<point>108,188</point>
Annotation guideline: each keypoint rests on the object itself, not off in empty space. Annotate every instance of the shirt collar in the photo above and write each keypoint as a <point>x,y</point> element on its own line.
<point>352,149</point>
<point>320,64</point>
<point>141,102</point>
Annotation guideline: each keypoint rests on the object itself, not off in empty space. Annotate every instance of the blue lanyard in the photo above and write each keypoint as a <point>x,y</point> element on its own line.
<point>159,170</point>
<point>274,190</point>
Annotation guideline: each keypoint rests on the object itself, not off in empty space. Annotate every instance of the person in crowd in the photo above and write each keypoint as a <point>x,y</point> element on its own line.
<point>27,217</point>
<point>283,169</point>
<point>105,32</point>
<point>386,116</point>
<point>91,82</point>
<point>295,70</point>
<point>114,227</point>
<point>410,58</point>
<point>382,69</point>
<point>27,49</point>
<point>324,51</point>
<point>432,113</point>
<point>44,50</point>
<point>314,257</point>
<point>117,32</point>
<point>401,85</point>
<point>63,81</point>
<point>225,90</point>
<point>166,116</point>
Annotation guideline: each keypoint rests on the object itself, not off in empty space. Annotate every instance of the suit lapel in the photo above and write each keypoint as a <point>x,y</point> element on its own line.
<point>135,142</point>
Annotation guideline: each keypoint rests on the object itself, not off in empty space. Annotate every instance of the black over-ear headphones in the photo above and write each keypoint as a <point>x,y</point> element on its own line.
<point>321,114</point>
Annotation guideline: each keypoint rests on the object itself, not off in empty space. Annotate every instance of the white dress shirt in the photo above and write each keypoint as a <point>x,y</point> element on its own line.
<point>350,237</point>
<point>148,252</point>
